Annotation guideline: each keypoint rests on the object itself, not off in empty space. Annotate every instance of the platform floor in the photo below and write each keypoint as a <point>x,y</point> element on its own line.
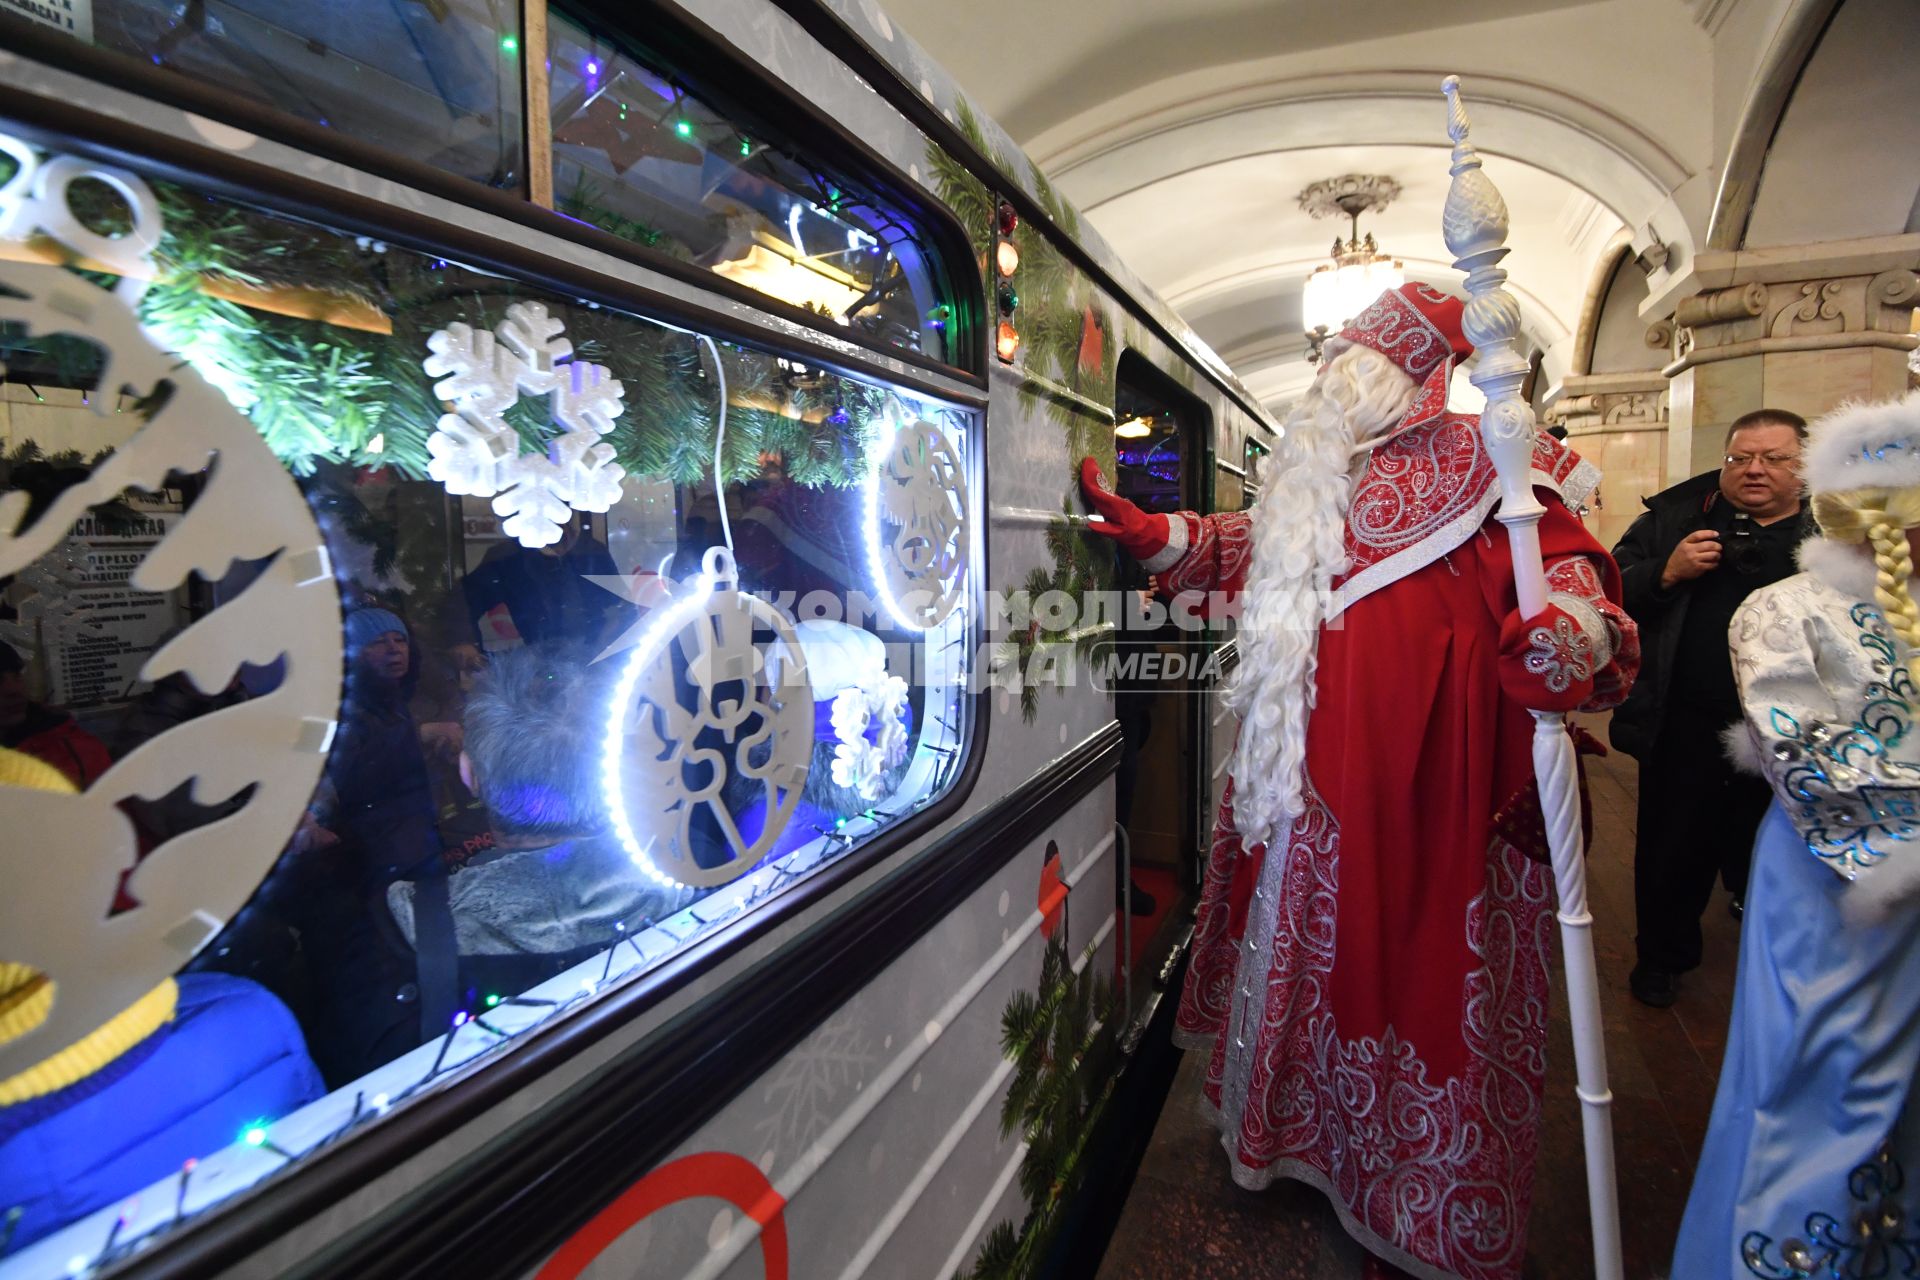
<point>1185,1218</point>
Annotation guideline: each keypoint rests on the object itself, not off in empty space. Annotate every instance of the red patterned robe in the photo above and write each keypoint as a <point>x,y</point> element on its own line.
<point>1375,991</point>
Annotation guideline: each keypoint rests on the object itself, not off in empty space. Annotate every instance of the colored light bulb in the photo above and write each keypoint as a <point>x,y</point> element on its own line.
<point>1007,343</point>
<point>509,45</point>
<point>1006,258</point>
<point>683,128</point>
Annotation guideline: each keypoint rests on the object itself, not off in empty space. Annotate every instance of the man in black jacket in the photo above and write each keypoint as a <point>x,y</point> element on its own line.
<point>1686,564</point>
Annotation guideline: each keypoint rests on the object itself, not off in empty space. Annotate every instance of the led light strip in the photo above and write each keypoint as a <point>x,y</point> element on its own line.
<point>715,566</point>
<point>876,563</point>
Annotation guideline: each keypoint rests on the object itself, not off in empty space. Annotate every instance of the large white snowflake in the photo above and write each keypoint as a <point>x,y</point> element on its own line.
<point>475,450</point>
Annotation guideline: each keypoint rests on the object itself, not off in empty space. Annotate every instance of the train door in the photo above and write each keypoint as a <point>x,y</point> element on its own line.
<point>1157,673</point>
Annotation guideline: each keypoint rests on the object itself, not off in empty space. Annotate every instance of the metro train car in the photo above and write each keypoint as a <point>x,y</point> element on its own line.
<point>563,714</point>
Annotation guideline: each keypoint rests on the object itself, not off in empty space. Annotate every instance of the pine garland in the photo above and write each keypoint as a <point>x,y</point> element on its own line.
<point>320,393</point>
<point>44,476</point>
<point>1064,1053</point>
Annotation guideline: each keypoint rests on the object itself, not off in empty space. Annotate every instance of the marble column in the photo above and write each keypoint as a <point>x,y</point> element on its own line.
<point>1802,327</point>
<point>1618,422</point>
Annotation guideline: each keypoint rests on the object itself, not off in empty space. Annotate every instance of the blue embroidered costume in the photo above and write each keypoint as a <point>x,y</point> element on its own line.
<point>1811,1139</point>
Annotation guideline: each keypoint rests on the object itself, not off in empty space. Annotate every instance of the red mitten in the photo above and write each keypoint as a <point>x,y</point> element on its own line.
<point>1141,534</point>
<point>1547,662</point>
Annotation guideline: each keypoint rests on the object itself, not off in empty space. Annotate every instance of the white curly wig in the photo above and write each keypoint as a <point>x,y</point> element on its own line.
<point>1299,548</point>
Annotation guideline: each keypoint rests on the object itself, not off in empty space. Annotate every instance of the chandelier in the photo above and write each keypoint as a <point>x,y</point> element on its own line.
<point>1359,272</point>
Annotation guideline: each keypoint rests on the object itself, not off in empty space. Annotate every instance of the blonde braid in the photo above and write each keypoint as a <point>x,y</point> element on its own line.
<point>1894,563</point>
<point>1881,518</point>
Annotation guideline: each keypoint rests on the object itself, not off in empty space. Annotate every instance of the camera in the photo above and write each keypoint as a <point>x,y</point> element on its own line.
<point>1742,546</point>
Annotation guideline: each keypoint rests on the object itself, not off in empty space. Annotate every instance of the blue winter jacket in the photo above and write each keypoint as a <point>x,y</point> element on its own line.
<point>232,1056</point>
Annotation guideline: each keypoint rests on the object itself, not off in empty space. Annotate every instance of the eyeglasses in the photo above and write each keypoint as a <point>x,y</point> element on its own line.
<point>1771,461</point>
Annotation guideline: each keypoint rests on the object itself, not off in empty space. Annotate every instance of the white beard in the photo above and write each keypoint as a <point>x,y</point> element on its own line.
<point>1299,548</point>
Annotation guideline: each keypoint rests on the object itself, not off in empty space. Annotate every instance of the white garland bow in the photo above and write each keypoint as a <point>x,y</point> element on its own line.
<point>858,764</point>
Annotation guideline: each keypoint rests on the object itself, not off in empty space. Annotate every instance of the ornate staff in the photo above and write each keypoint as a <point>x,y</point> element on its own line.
<point>1475,225</point>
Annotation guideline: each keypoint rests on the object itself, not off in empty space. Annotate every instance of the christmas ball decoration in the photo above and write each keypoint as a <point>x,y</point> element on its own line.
<point>271,747</point>
<point>708,745</point>
<point>919,526</point>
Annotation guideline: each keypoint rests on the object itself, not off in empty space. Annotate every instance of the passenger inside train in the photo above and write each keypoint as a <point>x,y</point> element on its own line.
<point>556,757</point>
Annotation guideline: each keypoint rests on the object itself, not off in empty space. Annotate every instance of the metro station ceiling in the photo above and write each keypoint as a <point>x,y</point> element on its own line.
<point>1185,134</point>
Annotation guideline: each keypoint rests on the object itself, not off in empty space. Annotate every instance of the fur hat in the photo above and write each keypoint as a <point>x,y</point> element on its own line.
<point>1865,446</point>
<point>1416,326</point>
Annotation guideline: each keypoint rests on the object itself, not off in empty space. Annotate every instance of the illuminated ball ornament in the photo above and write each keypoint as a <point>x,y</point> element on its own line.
<point>93,968</point>
<point>697,708</point>
<point>919,526</point>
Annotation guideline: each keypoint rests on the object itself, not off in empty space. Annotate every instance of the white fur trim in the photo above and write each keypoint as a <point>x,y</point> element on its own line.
<point>838,656</point>
<point>1738,747</point>
<point>1846,567</point>
<point>1177,542</point>
<point>1865,446</point>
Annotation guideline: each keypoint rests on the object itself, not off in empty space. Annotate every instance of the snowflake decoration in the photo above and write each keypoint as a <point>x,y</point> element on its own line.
<point>869,721</point>
<point>920,489</point>
<point>799,1098</point>
<point>476,451</point>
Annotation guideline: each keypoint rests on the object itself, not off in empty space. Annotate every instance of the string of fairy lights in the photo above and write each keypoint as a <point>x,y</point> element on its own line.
<point>126,1234</point>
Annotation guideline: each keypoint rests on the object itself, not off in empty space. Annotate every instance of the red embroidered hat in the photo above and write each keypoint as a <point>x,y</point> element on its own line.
<point>1416,326</point>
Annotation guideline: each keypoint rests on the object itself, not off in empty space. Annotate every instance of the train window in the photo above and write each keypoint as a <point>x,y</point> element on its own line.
<point>1254,460</point>
<point>397,659</point>
<point>636,154</point>
<point>437,82</point>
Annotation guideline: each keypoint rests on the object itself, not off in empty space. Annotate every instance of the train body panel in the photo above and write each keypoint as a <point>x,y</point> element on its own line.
<point>878,1048</point>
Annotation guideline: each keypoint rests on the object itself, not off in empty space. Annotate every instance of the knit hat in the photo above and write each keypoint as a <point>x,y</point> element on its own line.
<point>1416,326</point>
<point>364,626</point>
<point>27,995</point>
<point>1865,446</point>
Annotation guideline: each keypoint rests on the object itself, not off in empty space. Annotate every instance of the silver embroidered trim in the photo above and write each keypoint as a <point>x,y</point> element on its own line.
<point>1255,967</point>
<point>1169,555</point>
<point>1591,621</point>
<point>1559,655</point>
<point>1574,490</point>
<point>1493,1044</point>
<point>1288,1168</point>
